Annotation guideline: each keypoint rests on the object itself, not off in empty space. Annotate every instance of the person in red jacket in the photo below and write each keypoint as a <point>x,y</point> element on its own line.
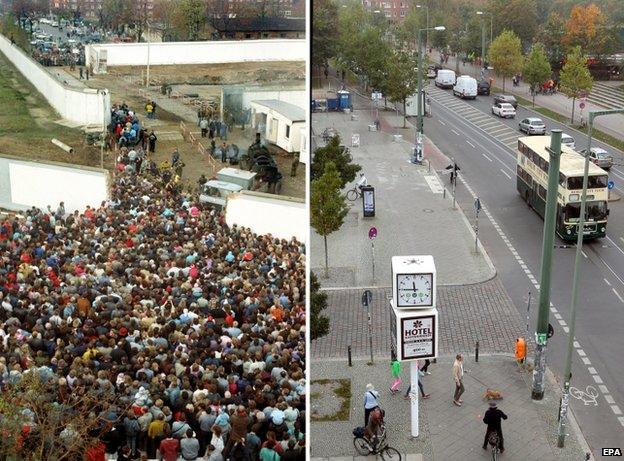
<point>169,447</point>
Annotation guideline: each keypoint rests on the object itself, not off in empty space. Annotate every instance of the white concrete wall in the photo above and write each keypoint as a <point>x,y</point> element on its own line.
<point>208,52</point>
<point>282,217</point>
<point>26,184</point>
<point>83,106</point>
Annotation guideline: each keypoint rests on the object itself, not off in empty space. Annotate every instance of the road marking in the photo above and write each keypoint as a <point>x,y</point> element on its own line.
<point>603,389</point>
<point>441,122</point>
<point>583,253</point>
<point>455,132</point>
<point>609,399</point>
<point>566,329</point>
<point>503,171</point>
<point>615,409</point>
<point>586,361</point>
<point>558,316</point>
<point>592,371</point>
<point>615,244</point>
<point>618,295</point>
<point>581,352</point>
<point>597,379</point>
<point>606,281</point>
<point>470,144</point>
<point>576,344</point>
<point>621,420</point>
<point>487,157</point>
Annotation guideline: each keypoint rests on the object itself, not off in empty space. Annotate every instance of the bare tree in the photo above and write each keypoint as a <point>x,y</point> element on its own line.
<point>42,418</point>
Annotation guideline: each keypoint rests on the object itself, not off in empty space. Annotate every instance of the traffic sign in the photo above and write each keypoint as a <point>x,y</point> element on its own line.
<point>582,105</point>
<point>372,233</point>
<point>610,184</point>
<point>367,297</point>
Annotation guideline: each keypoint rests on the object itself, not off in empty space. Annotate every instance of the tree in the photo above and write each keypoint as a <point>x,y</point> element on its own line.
<point>506,55</point>
<point>402,81</point>
<point>327,205</point>
<point>585,28</point>
<point>319,323</point>
<point>325,32</point>
<point>536,68</point>
<point>339,156</point>
<point>163,13</point>
<point>575,76</point>
<point>41,420</point>
<point>189,18</point>
<point>518,16</point>
<point>551,35</point>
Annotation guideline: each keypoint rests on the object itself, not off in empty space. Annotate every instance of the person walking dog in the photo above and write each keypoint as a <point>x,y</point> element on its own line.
<point>458,375</point>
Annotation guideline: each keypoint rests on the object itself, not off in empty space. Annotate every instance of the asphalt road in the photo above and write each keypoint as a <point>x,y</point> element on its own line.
<point>512,234</point>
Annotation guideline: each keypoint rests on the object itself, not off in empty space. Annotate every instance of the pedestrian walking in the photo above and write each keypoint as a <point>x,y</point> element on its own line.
<point>396,376</point>
<point>493,418</point>
<point>152,142</point>
<point>149,109</point>
<point>87,73</point>
<point>203,125</point>
<point>154,106</point>
<point>81,72</point>
<point>458,375</point>
<point>425,367</point>
<point>371,401</point>
<point>423,394</point>
<point>224,152</point>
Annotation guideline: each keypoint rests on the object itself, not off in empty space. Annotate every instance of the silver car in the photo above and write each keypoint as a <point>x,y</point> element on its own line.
<point>600,157</point>
<point>532,125</point>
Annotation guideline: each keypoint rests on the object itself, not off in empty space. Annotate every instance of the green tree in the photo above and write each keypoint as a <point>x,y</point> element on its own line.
<point>189,19</point>
<point>325,32</point>
<point>339,156</point>
<point>551,35</point>
<point>402,81</point>
<point>575,77</point>
<point>506,55</point>
<point>518,16</point>
<point>319,323</point>
<point>536,68</point>
<point>327,205</point>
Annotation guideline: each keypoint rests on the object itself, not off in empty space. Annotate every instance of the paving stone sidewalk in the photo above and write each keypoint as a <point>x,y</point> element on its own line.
<point>447,432</point>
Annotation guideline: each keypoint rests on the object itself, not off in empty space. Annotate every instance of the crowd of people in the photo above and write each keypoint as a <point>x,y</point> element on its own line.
<point>197,329</point>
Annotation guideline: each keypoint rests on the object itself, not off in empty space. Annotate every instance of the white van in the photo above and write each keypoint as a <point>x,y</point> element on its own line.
<point>445,78</point>
<point>465,87</point>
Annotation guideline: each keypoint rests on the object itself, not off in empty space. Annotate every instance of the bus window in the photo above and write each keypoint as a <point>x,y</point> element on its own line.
<point>575,183</point>
<point>572,212</point>
<point>597,211</point>
<point>597,182</point>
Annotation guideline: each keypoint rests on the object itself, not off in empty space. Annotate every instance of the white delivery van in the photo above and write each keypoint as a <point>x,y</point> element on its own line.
<point>445,78</point>
<point>465,87</point>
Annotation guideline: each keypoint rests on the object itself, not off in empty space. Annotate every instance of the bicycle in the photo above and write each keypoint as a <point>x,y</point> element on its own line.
<point>378,445</point>
<point>493,441</point>
<point>354,194</point>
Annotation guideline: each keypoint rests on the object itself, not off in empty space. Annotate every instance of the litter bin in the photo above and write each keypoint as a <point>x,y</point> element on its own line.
<point>368,201</point>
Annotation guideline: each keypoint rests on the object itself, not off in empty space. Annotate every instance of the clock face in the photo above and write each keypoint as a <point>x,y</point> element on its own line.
<point>414,289</point>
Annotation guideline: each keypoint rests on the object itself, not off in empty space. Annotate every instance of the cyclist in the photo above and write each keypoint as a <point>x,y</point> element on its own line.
<point>492,418</point>
<point>374,428</point>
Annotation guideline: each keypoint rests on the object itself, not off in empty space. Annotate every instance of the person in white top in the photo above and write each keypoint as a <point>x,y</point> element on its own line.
<point>458,375</point>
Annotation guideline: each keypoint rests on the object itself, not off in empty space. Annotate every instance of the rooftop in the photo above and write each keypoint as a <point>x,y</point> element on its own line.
<point>292,112</point>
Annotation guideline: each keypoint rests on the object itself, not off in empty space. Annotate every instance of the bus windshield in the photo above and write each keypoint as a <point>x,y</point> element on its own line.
<point>593,182</point>
<point>596,211</point>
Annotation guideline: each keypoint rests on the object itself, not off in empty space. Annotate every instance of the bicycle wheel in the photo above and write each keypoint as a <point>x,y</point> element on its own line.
<point>361,446</point>
<point>390,454</point>
<point>495,453</point>
<point>352,195</point>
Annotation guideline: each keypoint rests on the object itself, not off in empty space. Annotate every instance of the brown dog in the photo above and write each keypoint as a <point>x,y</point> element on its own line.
<point>491,394</point>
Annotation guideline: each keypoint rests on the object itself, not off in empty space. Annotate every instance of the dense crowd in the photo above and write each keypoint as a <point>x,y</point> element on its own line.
<point>197,329</point>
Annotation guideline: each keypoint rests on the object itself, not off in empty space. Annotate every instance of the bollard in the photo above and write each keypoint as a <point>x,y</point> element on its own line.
<point>444,194</point>
<point>428,166</point>
<point>477,351</point>
<point>349,354</point>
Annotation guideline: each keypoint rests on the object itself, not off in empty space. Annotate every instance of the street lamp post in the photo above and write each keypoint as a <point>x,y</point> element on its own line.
<point>419,123</point>
<point>148,57</point>
<point>563,413</point>
<point>426,7</point>
<point>483,13</point>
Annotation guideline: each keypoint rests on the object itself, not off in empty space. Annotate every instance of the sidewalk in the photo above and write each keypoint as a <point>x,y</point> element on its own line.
<point>412,214</point>
<point>447,432</point>
<point>610,124</point>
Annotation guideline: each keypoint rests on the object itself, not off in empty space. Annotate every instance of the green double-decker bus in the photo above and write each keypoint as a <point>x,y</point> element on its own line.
<point>532,183</point>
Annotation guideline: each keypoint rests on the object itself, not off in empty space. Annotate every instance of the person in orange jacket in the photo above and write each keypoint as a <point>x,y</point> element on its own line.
<point>520,351</point>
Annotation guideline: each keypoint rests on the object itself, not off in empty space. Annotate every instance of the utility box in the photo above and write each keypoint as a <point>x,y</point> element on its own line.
<point>244,179</point>
<point>344,99</point>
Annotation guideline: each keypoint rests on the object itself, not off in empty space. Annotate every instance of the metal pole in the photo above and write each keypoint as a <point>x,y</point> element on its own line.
<point>482,42</point>
<point>414,397</point>
<point>527,317</point>
<point>103,130</point>
<point>427,33</point>
<point>419,122</point>
<point>454,182</point>
<point>373,247</point>
<point>148,62</point>
<point>476,230</point>
<point>491,21</point>
<point>550,216</point>
<point>573,302</point>
<point>370,332</point>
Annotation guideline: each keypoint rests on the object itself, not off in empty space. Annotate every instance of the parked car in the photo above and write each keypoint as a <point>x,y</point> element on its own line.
<point>600,157</point>
<point>432,70</point>
<point>506,98</point>
<point>483,87</point>
<point>465,87</point>
<point>532,125</point>
<point>504,110</point>
<point>567,140</point>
